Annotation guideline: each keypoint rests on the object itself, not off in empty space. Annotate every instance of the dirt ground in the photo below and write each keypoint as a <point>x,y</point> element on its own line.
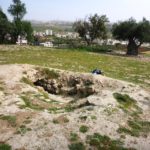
<point>33,119</point>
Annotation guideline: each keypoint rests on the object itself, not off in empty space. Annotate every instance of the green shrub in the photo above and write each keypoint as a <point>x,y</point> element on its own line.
<point>73,137</point>
<point>136,128</point>
<point>125,101</point>
<point>77,146</point>
<point>5,146</point>
<point>22,130</point>
<point>104,142</point>
<point>83,129</point>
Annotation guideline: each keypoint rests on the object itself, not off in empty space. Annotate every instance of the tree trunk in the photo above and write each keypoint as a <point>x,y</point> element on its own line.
<point>132,48</point>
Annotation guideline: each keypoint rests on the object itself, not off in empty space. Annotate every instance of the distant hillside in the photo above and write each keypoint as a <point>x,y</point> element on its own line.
<point>54,25</point>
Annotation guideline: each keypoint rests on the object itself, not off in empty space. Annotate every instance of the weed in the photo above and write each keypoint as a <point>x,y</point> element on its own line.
<point>83,129</point>
<point>28,103</point>
<point>128,131</point>
<point>54,109</point>
<point>49,74</point>
<point>110,110</point>
<point>44,93</point>
<point>55,121</point>
<point>136,128</point>
<point>27,121</point>
<point>124,100</point>
<point>1,86</point>
<point>27,81</point>
<point>77,146</point>
<point>128,104</point>
<point>93,117</point>
<point>22,130</point>
<point>73,137</point>
<point>146,98</point>
<point>104,142</point>
<point>69,108</point>
<point>4,146</point>
<point>10,119</point>
<point>24,72</point>
<point>83,118</point>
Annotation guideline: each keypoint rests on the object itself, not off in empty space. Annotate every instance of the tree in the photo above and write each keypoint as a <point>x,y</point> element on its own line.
<point>22,28</point>
<point>82,27</point>
<point>92,28</point>
<point>5,26</point>
<point>17,10</point>
<point>98,27</point>
<point>135,32</point>
<point>27,30</point>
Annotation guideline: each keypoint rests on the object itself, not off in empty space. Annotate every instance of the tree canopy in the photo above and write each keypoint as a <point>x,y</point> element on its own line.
<point>17,9</point>
<point>135,32</point>
<point>92,28</point>
<point>5,26</point>
<point>19,27</point>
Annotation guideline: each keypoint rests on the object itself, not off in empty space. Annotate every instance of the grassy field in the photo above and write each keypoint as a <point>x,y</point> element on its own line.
<point>147,53</point>
<point>118,67</point>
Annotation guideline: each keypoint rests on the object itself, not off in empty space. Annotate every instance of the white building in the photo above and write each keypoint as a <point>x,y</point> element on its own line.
<point>21,41</point>
<point>49,32</point>
<point>110,42</point>
<point>47,44</point>
<point>146,44</point>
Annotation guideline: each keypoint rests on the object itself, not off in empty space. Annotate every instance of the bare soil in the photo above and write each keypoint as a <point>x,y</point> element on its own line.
<point>44,121</point>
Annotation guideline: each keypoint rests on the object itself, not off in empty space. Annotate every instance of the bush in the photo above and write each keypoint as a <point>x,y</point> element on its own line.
<point>77,146</point>
<point>5,146</point>
<point>83,129</point>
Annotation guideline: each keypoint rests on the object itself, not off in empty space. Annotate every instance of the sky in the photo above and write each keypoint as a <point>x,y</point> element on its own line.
<point>71,10</point>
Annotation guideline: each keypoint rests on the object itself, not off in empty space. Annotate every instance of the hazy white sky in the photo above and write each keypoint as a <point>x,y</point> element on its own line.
<point>71,10</point>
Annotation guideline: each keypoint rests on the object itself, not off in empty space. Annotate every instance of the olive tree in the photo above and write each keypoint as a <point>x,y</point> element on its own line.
<point>136,33</point>
<point>92,28</point>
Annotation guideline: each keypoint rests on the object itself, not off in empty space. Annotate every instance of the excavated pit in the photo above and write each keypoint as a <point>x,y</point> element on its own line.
<point>72,86</point>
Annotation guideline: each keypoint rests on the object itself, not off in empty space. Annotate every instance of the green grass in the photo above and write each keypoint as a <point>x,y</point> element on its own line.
<point>93,117</point>
<point>128,105</point>
<point>125,100</point>
<point>103,142</point>
<point>11,119</point>
<point>55,121</point>
<point>5,146</point>
<point>136,128</point>
<point>83,128</point>
<point>77,146</point>
<point>22,130</point>
<point>83,118</point>
<point>47,73</point>
<point>28,103</point>
<point>110,110</point>
<point>124,68</point>
<point>74,137</point>
<point>27,81</point>
<point>44,93</point>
